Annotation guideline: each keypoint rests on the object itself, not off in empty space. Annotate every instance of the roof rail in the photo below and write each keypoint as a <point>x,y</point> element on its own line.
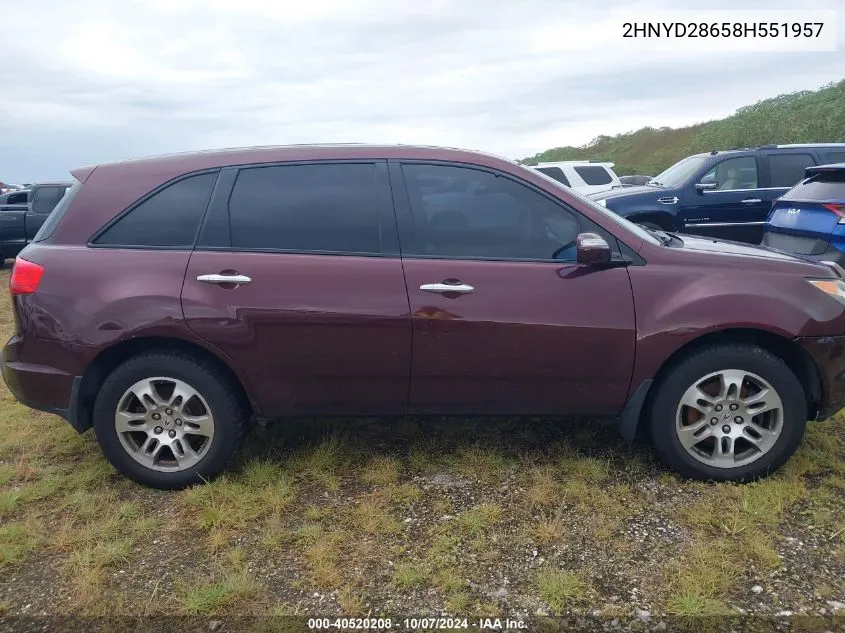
<point>768,146</point>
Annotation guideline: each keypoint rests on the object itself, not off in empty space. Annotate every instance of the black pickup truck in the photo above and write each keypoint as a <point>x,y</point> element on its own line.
<point>23,212</point>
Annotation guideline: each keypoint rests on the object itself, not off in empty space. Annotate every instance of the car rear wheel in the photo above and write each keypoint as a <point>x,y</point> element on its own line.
<point>167,420</point>
<point>728,413</point>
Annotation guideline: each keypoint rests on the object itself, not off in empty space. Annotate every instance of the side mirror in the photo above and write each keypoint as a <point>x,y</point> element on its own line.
<point>706,185</point>
<point>592,249</point>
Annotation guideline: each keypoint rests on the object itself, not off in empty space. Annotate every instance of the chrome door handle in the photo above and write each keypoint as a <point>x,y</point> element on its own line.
<point>463,289</point>
<point>224,279</point>
<point>752,201</point>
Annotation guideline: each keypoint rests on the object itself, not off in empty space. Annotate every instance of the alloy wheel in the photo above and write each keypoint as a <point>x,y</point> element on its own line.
<point>729,418</point>
<point>164,424</point>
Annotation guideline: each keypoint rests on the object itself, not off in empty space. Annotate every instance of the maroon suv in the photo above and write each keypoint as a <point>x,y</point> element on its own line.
<point>169,301</point>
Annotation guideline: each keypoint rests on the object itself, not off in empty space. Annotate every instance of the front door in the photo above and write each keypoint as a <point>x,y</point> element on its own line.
<point>731,202</point>
<point>504,319</point>
<point>305,291</point>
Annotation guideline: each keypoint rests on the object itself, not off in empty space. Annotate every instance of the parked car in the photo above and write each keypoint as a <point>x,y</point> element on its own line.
<point>724,194</point>
<point>583,176</point>
<point>169,301</point>
<point>23,214</point>
<point>810,218</point>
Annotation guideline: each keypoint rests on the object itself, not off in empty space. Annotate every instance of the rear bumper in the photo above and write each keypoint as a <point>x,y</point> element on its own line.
<point>828,354</point>
<point>42,387</point>
<point>807,247</point>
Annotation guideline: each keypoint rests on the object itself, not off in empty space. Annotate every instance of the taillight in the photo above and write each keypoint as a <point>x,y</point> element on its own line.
<point>838,209</point>
<point>26,276</point>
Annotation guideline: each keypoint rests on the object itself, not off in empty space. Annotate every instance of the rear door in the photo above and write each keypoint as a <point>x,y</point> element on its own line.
<point>504,319</point>
<point>297,278</point>
<point>785,169</point>
<point>13,210</point>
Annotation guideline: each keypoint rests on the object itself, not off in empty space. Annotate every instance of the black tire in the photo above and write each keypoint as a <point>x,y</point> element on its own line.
<point>230,419</point>
<point>661,414</point>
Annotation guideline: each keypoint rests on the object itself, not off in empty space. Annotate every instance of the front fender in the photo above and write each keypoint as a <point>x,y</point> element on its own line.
<point>679,304</point>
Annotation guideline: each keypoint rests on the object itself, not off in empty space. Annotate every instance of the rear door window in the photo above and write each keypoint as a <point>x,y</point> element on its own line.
<point>556,173</point>
<point>787,170</point>
<point>331,208</point>
<point>594,174</point>
<point>168,218</point>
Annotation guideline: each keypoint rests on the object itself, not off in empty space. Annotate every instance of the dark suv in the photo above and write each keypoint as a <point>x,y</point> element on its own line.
<point>723,194</point>
<point>168,302</point>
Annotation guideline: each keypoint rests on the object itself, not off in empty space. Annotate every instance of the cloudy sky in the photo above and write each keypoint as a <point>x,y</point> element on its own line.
<point>92,81</point>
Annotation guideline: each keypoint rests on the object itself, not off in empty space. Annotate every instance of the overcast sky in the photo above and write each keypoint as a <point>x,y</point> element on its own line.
<point>93,81</point>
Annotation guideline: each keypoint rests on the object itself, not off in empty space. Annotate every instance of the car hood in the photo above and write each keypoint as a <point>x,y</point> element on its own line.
<point>626,192</point>
<point>725,247</point>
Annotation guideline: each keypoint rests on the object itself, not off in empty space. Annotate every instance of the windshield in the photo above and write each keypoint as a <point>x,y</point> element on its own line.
<point>679,172</point>
<point>626,224</point>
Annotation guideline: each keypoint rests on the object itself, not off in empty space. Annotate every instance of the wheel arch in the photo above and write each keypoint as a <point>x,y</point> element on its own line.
<point>784,348</point>
<point>111,357</point>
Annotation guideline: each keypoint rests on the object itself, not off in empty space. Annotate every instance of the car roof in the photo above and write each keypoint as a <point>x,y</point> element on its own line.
<point>773,146</point>
<point>574,163</point>
<point>318,151</point>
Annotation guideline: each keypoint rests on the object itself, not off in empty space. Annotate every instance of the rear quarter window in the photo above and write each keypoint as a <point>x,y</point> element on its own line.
<point>594,174</point>
<point>170,217</point>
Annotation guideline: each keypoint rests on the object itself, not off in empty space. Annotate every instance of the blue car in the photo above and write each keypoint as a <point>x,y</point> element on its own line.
<point>725,194</point>
<point>809,219</point>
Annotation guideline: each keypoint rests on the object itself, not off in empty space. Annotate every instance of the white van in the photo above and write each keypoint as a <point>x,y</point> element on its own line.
<point>583,176</point>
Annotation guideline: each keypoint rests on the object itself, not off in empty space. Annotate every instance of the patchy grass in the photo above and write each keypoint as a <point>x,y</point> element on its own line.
<point>408,575</point>
<point>561,589</point>
<point>414,517</point>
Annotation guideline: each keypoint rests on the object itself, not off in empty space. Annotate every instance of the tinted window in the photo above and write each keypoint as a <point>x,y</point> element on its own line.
<point>733,173</point>
<point>45,199</point>
<point>460,212</point>
<point>334,208</point>
<point>58,212</point>
<point>170,217</point>
<point>17,198</point>
<point>556,173</point>
<point>788,169</point>
<point>834,157</point>
<point>821,187</point>
<point>593,174</point>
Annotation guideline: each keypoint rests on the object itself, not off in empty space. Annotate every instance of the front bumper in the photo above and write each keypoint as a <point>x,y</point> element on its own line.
<point>828,354</point>
<point>41,387</point>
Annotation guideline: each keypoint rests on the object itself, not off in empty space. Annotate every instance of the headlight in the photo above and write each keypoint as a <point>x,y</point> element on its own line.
<point>602,202</point>
<point>833,287</point>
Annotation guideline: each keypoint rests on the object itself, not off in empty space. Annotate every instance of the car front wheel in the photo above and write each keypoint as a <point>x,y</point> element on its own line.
<point>168,419</point>
<point>728,413</point>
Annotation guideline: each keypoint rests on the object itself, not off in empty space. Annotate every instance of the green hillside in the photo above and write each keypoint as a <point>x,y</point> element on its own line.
<point>809,116</point>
